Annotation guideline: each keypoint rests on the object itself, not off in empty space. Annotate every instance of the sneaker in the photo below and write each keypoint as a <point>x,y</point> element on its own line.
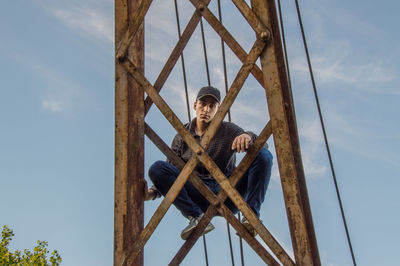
<point>193,221</point>
<point>248,226</point>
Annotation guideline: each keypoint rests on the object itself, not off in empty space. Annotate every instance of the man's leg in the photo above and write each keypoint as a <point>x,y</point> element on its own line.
<point>258,177</point>
<point>163,175</point>
<point>254,182</point>
<point>189,200</point>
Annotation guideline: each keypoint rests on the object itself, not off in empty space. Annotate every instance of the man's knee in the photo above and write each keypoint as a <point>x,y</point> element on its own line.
<point>156,171</point>
<point>264,158</point>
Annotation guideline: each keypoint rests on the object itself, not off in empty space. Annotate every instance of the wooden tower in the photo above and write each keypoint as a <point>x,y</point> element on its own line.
<point>130,234</point>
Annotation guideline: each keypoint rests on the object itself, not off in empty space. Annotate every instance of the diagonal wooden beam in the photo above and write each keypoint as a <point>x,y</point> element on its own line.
<point>227,38</point>
<point>160,212</point>
<point>217,203</point>
<point>174,56</point>
<point>253,20</point>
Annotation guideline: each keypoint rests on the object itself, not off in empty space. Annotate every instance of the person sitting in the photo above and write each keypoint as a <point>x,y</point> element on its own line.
<point>228,140</point>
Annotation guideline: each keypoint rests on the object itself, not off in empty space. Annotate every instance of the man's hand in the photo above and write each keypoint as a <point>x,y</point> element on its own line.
<point>152,193</point>
<point>241,143</point>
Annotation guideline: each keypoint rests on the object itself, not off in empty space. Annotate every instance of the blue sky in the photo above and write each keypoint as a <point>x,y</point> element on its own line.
<point>57,125</point>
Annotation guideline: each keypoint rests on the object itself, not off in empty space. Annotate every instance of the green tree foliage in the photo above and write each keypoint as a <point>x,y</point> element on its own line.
<point>35,258</point>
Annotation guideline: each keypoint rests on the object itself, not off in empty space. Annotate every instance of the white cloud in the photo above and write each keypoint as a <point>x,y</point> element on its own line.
<point>334,65</point>
<point>250,115</point>
<point>348,20</point>
<point>58,93</point>
<point>53,105</point>
<point>89,21</point>
<point>88,18</point>
<point>338,61</point>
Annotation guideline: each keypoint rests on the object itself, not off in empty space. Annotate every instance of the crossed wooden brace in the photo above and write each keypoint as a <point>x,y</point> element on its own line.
<point>217,202</point>
<point>201,155</point>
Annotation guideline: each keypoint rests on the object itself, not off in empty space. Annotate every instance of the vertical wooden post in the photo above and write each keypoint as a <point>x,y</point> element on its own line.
<point>129,140</point>
<point>286,141</point>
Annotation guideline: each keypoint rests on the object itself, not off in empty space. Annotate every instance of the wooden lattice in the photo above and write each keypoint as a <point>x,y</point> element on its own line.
<point>130,236</point>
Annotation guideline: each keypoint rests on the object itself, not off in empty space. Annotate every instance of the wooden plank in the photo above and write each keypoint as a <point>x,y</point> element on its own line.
<point>282,139</point>
<point>121,140</point>
<point>129,141</point>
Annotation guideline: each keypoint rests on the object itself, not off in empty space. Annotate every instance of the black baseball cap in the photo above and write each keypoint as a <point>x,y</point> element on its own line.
<point>209,91</point>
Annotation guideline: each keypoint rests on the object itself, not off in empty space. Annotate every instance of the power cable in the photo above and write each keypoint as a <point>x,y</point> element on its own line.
<point>205,51</point>
<point>324,133</point>
<point>241,245</point>
<point>224,58</point>
<point>182,61</point>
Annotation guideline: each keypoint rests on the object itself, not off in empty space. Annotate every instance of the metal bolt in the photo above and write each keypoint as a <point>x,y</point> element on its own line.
<point>121,57</point>
<point>201,7</point>
<point>264,36</point>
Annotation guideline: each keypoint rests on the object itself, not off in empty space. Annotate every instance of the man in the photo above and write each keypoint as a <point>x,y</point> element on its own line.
<point>228,139</point>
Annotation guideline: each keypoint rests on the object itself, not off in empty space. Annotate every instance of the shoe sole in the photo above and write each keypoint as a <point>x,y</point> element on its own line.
<point>249,229</point>
<point>208,229</point>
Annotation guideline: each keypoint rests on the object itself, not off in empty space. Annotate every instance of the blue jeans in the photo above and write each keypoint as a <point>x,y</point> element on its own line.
<point>252,186</point>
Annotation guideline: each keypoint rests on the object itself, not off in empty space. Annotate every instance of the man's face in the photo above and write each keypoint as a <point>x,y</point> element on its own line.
<point>206,108</point>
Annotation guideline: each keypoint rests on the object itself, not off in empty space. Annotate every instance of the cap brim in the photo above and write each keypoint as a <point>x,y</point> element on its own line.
<point>212,95</point>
